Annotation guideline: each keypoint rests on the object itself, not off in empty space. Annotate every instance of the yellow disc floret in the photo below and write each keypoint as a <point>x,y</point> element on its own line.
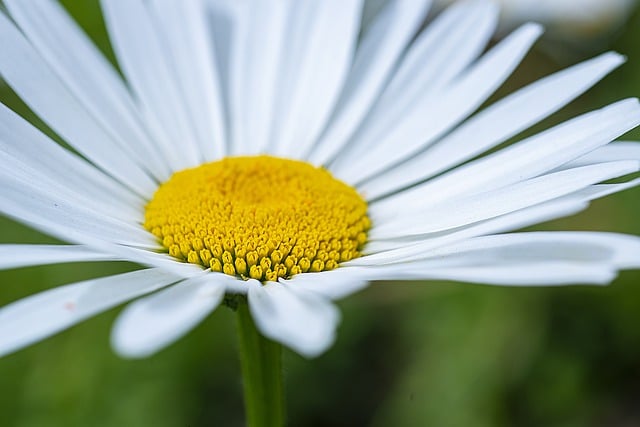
<point>259,217</point>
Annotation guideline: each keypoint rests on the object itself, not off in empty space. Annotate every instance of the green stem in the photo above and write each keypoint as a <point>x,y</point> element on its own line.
<point>261,363</point>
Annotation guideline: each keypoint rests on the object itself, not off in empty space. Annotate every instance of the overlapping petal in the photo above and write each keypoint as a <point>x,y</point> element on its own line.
<point>36,317</point>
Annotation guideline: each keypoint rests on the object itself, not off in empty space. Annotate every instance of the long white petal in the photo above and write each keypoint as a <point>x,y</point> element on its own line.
<point>147,64</point>
<point>380,252</point>
<point>530,157</point>
<point>301,320</point>
<point>66,220</point>
<point>147,258</point>
<point>88,75</point>
<point>624,150</point>
<point>185,28</point>
<point>515,273</point>
<point>28,179</point>
<point>445,48</point>
<point>382,45</point>
<point>550,273</point>
<point>558,208</point>
<point>413,247</point>
<point>322,38</point>
<point>515,113</point>
<point>16,256</point>
<point>421,218</point>
<point>413,133</point>
<point>602,190</point>
<point>621,251</point>
<point>255,62</point>
<point>23,143</point>
<point>224,20</point>
<point>149,324</point>
<point>32,78</point>
<point>534,258</point>
<point>438,55</point>
<point>41,315</point>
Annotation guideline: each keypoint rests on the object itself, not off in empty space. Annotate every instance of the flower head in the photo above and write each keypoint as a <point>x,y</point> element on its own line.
<point>280,151</point>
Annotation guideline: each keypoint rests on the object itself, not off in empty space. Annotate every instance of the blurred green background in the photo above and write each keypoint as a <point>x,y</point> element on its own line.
<point>407,354</point>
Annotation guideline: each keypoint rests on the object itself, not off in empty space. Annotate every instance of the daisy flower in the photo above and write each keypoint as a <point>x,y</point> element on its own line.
<point>279,155</point>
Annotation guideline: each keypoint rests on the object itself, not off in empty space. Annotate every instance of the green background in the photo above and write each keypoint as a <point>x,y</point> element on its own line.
<point>407,354</point>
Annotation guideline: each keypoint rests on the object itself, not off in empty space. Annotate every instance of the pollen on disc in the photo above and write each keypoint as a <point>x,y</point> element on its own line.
<point>259,217</point>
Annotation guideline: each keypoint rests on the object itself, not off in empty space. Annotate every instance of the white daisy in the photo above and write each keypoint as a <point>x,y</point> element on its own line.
<point>201,163</point>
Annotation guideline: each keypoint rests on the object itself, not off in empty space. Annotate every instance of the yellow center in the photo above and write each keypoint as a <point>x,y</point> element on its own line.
<point>259,217</point>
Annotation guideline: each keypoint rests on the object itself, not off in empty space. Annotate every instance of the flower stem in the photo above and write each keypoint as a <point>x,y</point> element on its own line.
<point>261,364</point>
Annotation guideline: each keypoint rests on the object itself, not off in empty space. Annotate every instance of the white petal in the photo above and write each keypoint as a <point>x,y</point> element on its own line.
<point>22,143</point>
<point>620,251</point>
<point>609,153</point>
<point>442,51</point>
<point>558,208</point>
<point>146,62</point>
<point>602,190</point>
<point>154,322</point>
<point>514,113</point>
<point>466,269</point>
<point>88,75</point>
<point>536,258</point>
<point>334,284</point>
<point>413,133</point>
<point>525,274</point>
<point>422,218</point>
<point>16,256</point>
<point>382,44</point>
<point>530,157</point>
<point>147,258</point>
<point>223,20</point>
<point>301,320</point>
<point>101,241</point>
<point>34,318</point>
<point>27,179</point>
<point>255,62</point>
<point>31,77</point>
<point>66,220</point>
<point>321,40</point>
<point>187,35</point>
<point>403,250</point>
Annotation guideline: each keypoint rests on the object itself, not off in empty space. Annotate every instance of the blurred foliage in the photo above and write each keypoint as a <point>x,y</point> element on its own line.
<point>408,354</point>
